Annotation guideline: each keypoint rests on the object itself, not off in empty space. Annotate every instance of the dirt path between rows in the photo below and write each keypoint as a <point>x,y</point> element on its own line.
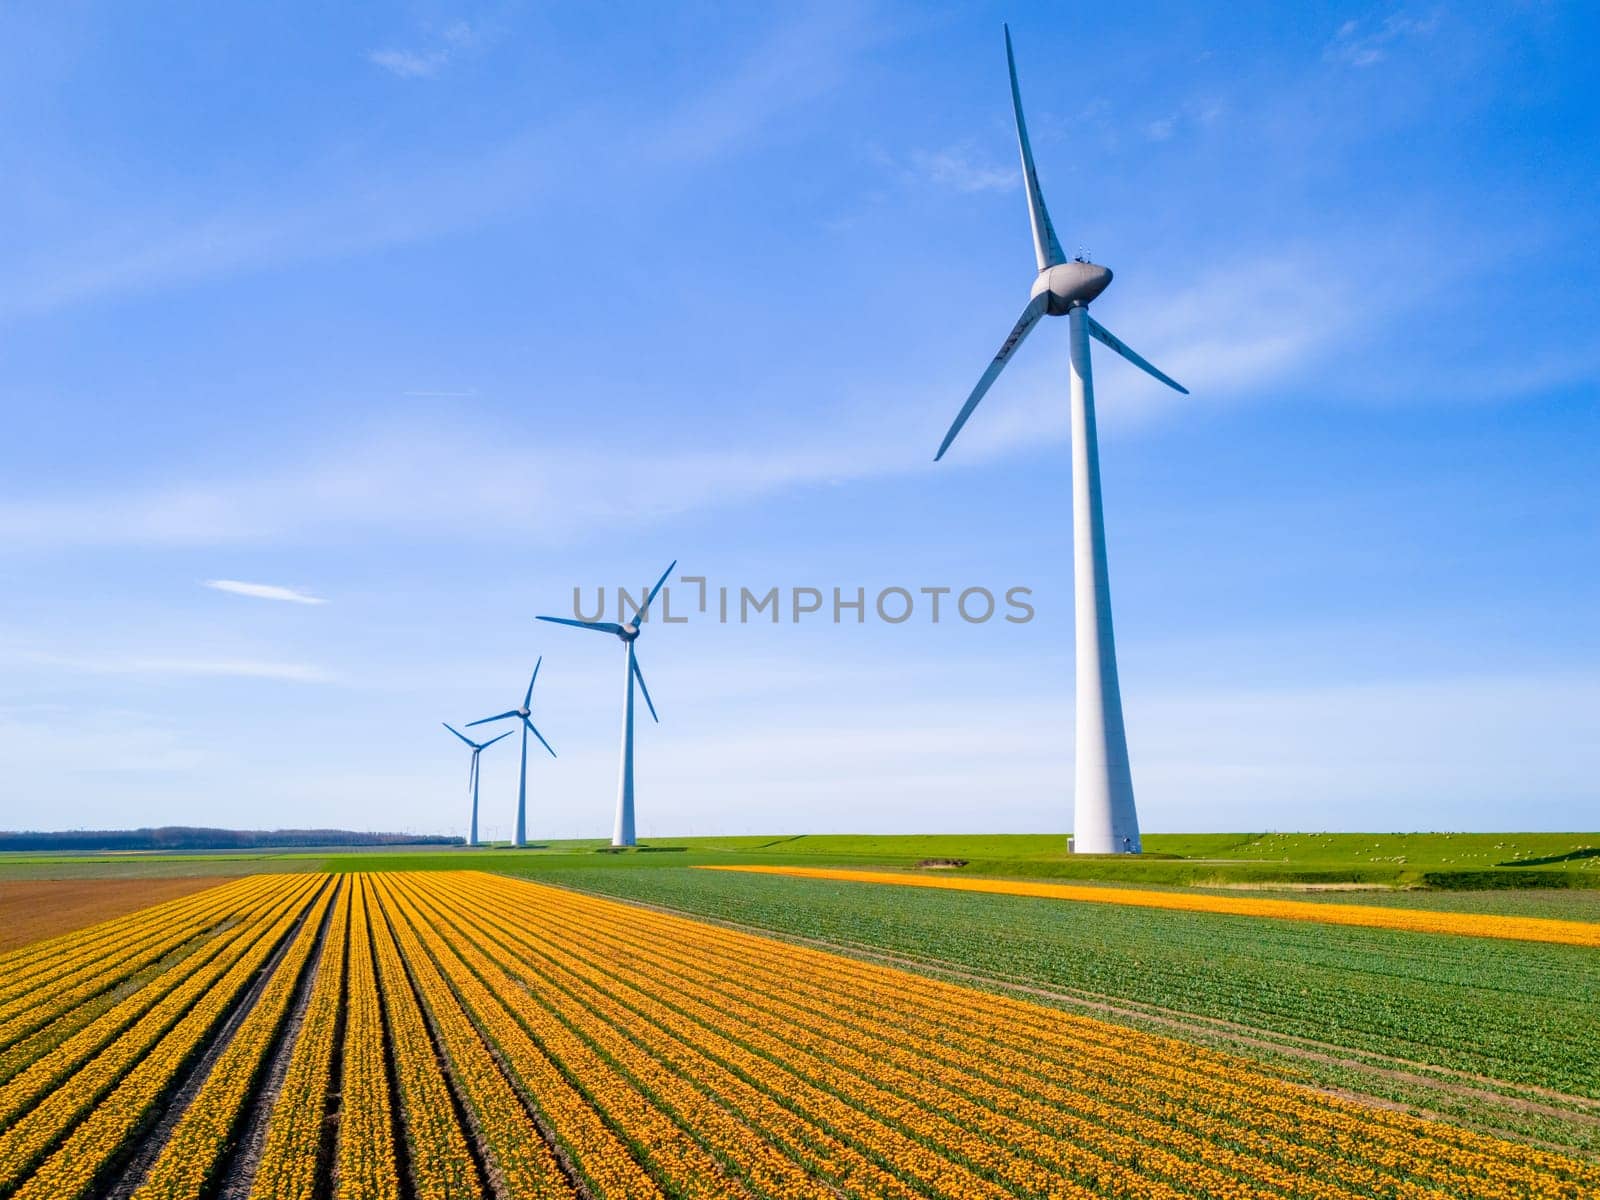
<point>1464,1085</point>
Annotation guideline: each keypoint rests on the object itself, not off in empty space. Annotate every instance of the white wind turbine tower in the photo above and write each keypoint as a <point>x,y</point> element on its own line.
<point>1104,820</point>
<point>622,831</point>
<point>524,715</point>
<point>472,772</point>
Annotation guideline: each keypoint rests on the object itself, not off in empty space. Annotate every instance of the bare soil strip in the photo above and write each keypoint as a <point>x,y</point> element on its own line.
<point>1478,1088</point>
<point>32,910</point>
<point>142,1152</point>
<point>238,1174</point>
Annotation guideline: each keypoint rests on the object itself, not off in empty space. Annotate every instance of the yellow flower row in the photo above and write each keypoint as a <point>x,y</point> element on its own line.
<point>1133,1103</point>
<point>955,1044</point>
<point>191,1154</point>
<point>287,1168</point>
<point>17,964</point>
<point>831,1162</point>
<point>919,1147</point>
<point>601,1048</point>
<point>365,1167</point>
<point>934,1115</point>
<point>781,1154</point>
<point>54,1032</point>
<point>72,1170</point>
<point>117,1039</point>
<point>86,974</point>
<point>441,1165</point>
<point>1389,1141</point>
<point>654,1121</point>
<point>516,1149</point>
<point>69,961</point>
<point>1417,920</point>
<point>1444,1153</point>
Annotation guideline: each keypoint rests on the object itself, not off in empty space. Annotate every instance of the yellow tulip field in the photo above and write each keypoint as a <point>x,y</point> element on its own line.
<point>458,1034</point>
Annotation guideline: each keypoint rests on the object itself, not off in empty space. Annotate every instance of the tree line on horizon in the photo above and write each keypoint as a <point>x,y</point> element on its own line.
<point>186,837</point>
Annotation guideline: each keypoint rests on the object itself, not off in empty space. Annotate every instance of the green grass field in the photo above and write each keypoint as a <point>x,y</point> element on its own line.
<point>1434,862</point>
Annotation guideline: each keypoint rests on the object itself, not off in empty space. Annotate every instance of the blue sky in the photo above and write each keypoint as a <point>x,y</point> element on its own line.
<point>433,313</point>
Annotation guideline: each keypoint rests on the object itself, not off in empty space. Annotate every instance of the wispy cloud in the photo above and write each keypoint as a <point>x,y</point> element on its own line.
<point>429,59</point>
<point>263,591</point>
<point>960,168</point>
<point>1280,316</point>
<point>794,64</point>
<point>1356,44</point>
<point>176,665</point>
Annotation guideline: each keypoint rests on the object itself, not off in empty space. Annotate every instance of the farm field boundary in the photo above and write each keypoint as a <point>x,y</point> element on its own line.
<point>475,1035</point>
<point>1526,929</point>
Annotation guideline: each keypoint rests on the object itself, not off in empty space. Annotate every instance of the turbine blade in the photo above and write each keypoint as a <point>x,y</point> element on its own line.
<point>650,599</point>
<point>528,699</point>
<point>538,735</point>
<point>1103,335</point>
<point>472,772</point>
<point>496,717</point>
<point>458,733</point>
<point>1045,246</point>
<point>493,740</point>
<point>600,626</point>
<point>1023,327</point>
<point>639,675</point>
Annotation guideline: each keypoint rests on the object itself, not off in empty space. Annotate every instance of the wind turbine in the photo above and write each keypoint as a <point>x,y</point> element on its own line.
<point>522,782</point>
<point>472,775</point>
<point>622,831</point>
<point>1104,819</point>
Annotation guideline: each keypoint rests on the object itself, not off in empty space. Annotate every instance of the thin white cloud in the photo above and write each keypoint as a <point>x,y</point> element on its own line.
<point>1230,333</point>
<point>263,591</point>
<point>1356,45</point>
<point>432,58</point>
<point>177,665</point>
<point>957,167</point>
<point>793,65</point>
<point>409,64</point>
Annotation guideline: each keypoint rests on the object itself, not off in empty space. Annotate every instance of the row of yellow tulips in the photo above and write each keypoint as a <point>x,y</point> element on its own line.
<point>1392,1142</point>
<point>99,988</point>
<point>830,1162</point>
<point>107,958</point>
<point>441,1164</point>
<point>287,1168</point>
<point>116,1040</point>
<point>74,1167</point>
<point>193,1151</point>
<point>20,967</point>
<point>365,1165</point>
<point>1371,916</point>
<point>519,1158</point>
<point>1114,1124</point>
<point>544,1055</point>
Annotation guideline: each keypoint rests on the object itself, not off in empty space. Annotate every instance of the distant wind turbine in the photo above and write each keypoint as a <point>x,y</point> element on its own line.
<point>622,831</point>
<point>524,714</point>
<point>1104,818</point>
<point>472,774</point>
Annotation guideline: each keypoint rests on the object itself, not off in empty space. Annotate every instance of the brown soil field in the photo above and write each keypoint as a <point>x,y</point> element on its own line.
<point>34,909</point>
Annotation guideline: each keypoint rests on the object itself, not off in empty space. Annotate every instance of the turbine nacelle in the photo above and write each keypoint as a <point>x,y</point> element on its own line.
<point>1067,285</point>
<point>628,632</point>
